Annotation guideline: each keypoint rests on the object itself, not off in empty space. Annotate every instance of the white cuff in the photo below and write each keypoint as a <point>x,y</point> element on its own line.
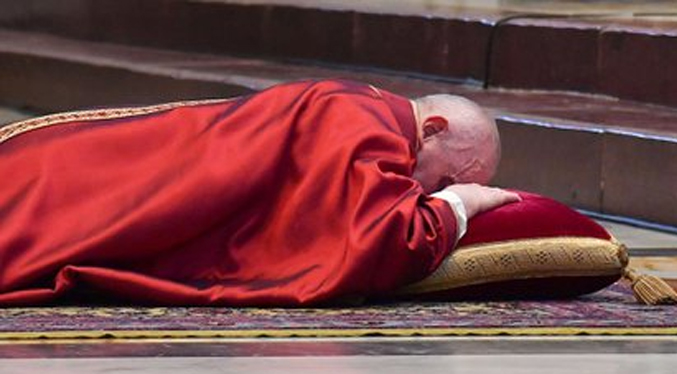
<point>459,210</point>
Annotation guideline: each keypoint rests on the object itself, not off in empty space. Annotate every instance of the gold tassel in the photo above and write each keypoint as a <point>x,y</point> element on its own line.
<point>650,289</point>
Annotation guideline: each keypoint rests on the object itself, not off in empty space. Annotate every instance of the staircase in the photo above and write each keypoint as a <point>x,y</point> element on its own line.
<point>585,99</point>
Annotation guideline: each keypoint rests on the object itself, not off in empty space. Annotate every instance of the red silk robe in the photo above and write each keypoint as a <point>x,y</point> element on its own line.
<point>297,195</point>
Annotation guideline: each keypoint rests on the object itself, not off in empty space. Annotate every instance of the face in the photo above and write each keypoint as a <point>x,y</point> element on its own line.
<point>459,145</point>
<point>439,165</point>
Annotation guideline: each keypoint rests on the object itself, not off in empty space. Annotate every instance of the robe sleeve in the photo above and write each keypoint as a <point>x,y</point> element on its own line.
<point>395,233</point>
<point>403,233</point>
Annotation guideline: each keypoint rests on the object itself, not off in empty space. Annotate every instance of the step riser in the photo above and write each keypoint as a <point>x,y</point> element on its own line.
<point>565,164</point>
<point>581,54</point>
<point>587,57</point>
<point>452,48</point>
<point>640,178</point>
<point>606,172</point>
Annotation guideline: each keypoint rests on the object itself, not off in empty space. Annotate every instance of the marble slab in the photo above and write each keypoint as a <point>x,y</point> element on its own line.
<point>9,115</point>
<point>506,364</point>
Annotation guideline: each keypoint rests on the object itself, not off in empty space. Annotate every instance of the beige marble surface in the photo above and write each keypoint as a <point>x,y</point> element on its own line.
<point>478,363</point>
<point>9,115</point>
<point>442,7</point>
<point>663,248</point>
<point>635,237</point>
<point>663,267</point>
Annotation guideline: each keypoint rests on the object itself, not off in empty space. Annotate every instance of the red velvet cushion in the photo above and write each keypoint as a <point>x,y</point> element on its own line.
<point>565,264</point>
<point>534,217</point>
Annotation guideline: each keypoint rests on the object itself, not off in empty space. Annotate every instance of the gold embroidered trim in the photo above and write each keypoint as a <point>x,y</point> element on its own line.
<point>524,259</point>
<point>15,129</point>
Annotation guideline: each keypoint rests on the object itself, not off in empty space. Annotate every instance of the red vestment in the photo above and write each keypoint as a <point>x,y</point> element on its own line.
<point>296,195</point>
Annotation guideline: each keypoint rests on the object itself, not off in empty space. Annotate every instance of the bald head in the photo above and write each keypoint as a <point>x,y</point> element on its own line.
<point>459,142</point>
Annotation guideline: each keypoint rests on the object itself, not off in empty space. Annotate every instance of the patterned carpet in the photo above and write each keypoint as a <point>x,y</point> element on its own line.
<point>611,311</point>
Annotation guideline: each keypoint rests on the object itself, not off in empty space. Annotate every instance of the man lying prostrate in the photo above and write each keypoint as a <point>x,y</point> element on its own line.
<point>301,194</point>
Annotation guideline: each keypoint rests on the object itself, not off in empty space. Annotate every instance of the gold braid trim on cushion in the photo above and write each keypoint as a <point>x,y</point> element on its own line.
<point>524,259</point>
<point>12,130</point>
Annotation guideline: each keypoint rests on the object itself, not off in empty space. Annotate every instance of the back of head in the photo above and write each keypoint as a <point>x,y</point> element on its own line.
<point>460,135</point>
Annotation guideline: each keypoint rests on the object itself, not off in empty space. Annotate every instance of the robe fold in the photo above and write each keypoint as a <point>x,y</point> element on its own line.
<point>300,194</point>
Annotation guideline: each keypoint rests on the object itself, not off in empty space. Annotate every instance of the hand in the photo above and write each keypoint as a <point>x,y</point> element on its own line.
<point>477,198</point>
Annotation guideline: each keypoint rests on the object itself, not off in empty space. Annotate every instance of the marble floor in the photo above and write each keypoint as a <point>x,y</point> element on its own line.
<point>597,355</point>
<point>639,239</point>
<point>8,115</point>
<point>529,363</point>
<point>653,252</point>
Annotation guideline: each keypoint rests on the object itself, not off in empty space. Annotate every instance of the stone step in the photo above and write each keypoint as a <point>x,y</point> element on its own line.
<point>597,153</point>
<point>622,50</point>
<point>10,115</point>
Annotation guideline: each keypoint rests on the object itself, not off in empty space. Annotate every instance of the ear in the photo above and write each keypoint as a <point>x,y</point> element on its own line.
<point>434,125</point>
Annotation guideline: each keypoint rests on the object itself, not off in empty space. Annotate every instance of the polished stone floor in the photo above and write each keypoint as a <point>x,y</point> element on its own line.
<point>529,363</point>
<point>639,238</point>
<point>597,355</point>
<point>653,252</point>
<point>8,115</point>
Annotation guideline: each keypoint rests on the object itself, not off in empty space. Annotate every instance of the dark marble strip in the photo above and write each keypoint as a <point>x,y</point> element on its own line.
<point>653,252</point>
<point>630,221</point>
<point>339,347</point>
